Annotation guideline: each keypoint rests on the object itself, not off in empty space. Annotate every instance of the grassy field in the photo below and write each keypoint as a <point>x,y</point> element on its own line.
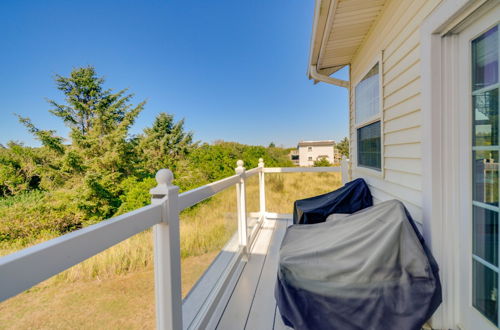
<point>115,289</point>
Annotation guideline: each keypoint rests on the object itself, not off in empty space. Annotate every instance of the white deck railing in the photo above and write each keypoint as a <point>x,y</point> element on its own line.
<point>21,270</point>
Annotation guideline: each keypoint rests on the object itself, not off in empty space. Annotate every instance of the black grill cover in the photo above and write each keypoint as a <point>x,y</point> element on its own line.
<point>352,197</point>
<point>370,270</point>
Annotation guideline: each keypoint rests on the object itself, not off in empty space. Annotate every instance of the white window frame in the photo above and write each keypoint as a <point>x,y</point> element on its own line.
<point>378,117</point>
<point>466,209</point>
<point>441,143</point>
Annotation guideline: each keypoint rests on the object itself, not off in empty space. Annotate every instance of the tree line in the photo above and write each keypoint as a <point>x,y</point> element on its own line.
<point>101,169</point>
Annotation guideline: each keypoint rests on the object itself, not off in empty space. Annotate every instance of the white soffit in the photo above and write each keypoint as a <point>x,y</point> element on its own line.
<point>340,29</point>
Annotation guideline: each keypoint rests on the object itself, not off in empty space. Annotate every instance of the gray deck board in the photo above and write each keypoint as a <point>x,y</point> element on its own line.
<point>261,315</point>
<point>237,309</point>
<point>202,289</point>
<point>251,304</point>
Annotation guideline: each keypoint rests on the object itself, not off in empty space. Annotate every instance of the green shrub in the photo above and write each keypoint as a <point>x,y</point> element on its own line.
<point>135,194</point>
<point>322,162</point>
<point>28,217</point>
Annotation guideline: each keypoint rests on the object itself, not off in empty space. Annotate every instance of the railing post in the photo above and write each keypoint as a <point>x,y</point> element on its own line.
<point>242,212</point>
<point>262,189</point>
<point>344,166</point>
<point>167,258</point>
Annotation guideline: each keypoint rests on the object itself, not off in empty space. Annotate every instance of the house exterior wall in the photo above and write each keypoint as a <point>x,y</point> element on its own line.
<point>394,41</point>
<point>307,158</point>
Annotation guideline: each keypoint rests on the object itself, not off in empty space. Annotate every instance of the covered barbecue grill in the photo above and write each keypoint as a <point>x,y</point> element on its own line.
<point>368,270</point>
<point>352,197</point>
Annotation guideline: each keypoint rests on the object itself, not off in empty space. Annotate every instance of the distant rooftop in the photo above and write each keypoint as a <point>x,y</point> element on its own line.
<point>317,143</point>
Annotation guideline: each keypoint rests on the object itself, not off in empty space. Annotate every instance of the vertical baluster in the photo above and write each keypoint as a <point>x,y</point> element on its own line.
<point>242,212</point>
<point>167,258</point>
<point>262,189</point>
<point>344,166</point>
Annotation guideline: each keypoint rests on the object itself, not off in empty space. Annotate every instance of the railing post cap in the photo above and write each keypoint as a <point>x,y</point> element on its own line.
<point>240,169</point>
<point>164,177</point>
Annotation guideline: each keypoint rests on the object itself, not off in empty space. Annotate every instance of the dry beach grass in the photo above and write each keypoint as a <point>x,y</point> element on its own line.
<point>115,289</point>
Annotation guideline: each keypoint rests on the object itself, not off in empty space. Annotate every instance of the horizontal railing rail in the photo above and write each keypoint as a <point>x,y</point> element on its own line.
<point>193,197</point>
<point>253,172</point>
<point>23,269</point>
<point>300,169</point>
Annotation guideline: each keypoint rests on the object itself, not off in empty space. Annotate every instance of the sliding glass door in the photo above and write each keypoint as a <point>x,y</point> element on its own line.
<point>484,89</point>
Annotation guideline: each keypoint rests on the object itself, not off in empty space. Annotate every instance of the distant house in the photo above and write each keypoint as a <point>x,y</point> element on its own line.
<point>311,151</point>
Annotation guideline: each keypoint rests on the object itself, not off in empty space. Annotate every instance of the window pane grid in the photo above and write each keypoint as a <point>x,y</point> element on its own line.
<point>486,263</point>
<point>486,206</point>
<point>486,148</point>
<point>485,89</point>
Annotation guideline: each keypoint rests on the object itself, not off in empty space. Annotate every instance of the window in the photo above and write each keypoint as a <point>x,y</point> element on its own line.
<point>310,159</point>
<point>367,96</point>
<point>367,109</point>
<point>369,146</point>
<point>310,149</point>
<point>295,157</point>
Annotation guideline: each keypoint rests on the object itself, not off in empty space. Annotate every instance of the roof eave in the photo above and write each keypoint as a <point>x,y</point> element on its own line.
<point>334,43</point>
<point>323,13</point>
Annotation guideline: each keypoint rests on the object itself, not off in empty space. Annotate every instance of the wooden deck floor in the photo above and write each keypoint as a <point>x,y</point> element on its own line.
<point>252,304</point>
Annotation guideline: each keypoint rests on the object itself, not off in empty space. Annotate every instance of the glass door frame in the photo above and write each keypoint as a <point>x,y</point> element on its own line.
<point>446,151</point>
<point>471,318</point>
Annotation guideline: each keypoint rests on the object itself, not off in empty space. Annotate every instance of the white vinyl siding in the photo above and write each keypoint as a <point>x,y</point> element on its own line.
<point>396,35</point>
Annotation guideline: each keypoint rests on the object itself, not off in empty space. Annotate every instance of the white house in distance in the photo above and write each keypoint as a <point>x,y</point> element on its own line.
<point>311,151</point>
<point>424,117</point>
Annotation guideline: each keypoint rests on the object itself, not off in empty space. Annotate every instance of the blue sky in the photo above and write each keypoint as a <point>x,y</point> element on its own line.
<point>235,70</point>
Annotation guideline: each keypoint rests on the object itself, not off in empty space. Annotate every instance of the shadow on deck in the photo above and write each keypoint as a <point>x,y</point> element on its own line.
<point>252,304</point>
<point>248,299</point>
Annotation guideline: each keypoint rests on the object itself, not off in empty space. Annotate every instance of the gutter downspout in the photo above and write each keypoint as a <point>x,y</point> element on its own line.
<point>313,72</point>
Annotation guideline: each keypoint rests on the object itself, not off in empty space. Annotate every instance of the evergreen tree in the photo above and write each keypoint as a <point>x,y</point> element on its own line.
<point>100,150</point>
<point>164,144</point>
<point>343,147</point>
